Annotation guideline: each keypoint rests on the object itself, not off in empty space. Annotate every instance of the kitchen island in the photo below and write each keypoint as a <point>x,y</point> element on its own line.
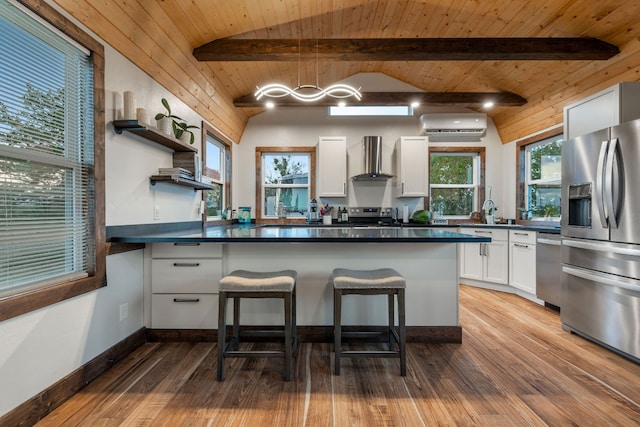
<point>426,257</point>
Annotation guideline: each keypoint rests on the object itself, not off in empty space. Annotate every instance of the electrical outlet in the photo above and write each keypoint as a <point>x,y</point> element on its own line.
<point>124,311</point>
<point>156,212</point>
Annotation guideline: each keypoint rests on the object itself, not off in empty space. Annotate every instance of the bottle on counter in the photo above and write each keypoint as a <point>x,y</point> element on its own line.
<point>345,215</point>
<point>339,215</point>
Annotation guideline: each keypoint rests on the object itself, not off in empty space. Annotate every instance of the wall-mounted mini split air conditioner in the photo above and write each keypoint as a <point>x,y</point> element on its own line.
<point>453,125</point>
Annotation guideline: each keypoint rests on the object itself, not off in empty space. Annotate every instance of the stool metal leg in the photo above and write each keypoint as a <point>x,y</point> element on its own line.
<point>337,328</point>
<point>403,333</point>
<point>294,328</point>
<point>222,327</point>
<point>392,319</point>
<point>288,332</point>
<point>236,323</point>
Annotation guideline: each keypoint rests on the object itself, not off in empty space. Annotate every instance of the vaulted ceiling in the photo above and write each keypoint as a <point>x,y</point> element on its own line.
<point>160,36</point>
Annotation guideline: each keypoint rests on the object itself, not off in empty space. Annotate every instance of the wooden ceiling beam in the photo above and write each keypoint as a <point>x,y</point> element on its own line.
<point>466,99</point>
<point>407,49</point>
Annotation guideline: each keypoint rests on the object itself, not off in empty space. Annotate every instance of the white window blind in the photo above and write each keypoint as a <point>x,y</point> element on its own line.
<point>46,156</point>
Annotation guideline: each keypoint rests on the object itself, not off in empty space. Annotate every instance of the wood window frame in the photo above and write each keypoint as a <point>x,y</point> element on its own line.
<point>480,151</point>
<point>20,304</point>
<point>521,171</point>
<point>227,143</point>
<point>312,181</point>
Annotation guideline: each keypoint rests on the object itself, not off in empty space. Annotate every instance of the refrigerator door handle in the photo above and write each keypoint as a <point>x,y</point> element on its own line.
<point>544,241</point>
<point>605,280</point>
<point>608,183</point>
<point>600,185</point>
<point>601,248</point>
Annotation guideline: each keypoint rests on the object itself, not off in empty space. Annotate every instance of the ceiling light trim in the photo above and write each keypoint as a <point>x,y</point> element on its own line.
<point>278,90</point>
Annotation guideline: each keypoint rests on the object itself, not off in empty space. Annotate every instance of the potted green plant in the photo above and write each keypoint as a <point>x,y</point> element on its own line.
<point>178,126</point>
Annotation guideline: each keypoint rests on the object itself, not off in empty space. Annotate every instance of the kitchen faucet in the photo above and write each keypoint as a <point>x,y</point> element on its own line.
<point>489,208</point>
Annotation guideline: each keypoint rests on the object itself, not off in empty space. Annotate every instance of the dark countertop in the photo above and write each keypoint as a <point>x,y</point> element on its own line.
<point>302,233</point>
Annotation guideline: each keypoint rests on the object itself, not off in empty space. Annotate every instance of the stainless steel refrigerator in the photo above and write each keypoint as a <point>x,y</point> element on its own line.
<point>600,295</point>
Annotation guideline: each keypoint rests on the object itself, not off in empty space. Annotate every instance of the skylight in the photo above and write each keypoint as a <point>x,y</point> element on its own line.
<point>371,110</point>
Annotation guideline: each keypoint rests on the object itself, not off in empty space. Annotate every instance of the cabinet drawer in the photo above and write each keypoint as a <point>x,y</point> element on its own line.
<point>184,311</point>
<point>522,236</point>
<point>494,233</point>
<point>186,250</point>
<point>185,275</point>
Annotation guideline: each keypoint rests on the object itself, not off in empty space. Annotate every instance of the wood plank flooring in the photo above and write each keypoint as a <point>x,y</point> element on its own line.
<point>515,367</point>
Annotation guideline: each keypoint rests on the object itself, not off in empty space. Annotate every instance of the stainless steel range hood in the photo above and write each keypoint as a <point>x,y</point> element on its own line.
<point>372,151</point>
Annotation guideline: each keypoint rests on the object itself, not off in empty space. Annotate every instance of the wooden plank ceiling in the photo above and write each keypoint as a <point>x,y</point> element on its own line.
<point>160,35</point>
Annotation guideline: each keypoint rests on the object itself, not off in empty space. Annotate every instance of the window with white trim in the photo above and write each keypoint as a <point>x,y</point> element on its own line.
<point>286,181</point>
<point>542,179</point>
<point>455,181</point>
<point>215,173</point>
<point>48,194</point>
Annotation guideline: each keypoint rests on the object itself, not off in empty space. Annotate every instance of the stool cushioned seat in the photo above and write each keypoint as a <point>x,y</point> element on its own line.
<point>252,281</point>
<point>344,278</point>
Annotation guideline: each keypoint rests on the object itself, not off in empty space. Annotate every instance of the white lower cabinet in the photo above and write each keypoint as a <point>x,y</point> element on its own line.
<point>522,260</point>
<point>486,262</point>
<point>184,285</point>
<point>184,311</point>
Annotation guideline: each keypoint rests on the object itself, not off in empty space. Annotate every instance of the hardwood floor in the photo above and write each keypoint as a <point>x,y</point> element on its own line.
<point>515,366</point>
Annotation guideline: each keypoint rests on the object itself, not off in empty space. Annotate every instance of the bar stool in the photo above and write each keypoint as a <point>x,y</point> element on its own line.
<point>384,281</point>
<point>250,284</point>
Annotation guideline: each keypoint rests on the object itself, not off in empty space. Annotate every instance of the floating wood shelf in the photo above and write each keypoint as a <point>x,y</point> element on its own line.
<point>152,135</point>
<point>180,181</point>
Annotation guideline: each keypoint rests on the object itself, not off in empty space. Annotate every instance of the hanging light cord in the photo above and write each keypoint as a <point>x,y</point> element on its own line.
<point>278,90</point>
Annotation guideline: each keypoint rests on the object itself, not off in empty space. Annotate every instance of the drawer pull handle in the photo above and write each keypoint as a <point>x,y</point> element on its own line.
<point>483,232</point>
<point>186,300</point>
<point>520,246</point>
<point>187,244</point>
<point>186,264</point>
<point>521,234</point>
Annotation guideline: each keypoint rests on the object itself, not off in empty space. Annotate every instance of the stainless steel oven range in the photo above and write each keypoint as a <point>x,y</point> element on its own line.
<point>369,215</point>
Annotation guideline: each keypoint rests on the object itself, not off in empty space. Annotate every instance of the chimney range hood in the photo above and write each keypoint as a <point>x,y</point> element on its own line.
<point>372,162</point>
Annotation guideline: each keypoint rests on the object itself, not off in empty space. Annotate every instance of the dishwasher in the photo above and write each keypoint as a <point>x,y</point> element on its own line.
<point>548,268</point>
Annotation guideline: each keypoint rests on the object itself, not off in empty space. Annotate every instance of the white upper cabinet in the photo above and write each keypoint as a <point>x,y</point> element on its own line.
<point>332,166</point>
<point>610,107</point>
<point>412,166</point>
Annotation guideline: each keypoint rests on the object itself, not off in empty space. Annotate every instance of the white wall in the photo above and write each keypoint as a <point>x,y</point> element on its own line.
<point>131,160</point>
<point>509,174</point>
<point>43,346</point>
<point>302,127</point>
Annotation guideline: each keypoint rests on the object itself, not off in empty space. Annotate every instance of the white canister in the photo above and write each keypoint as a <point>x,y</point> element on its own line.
<point>129,105</point>
<point>143,116</point>
<point>117,106</point>
<point>405,213</point>
<point>326,219</point>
